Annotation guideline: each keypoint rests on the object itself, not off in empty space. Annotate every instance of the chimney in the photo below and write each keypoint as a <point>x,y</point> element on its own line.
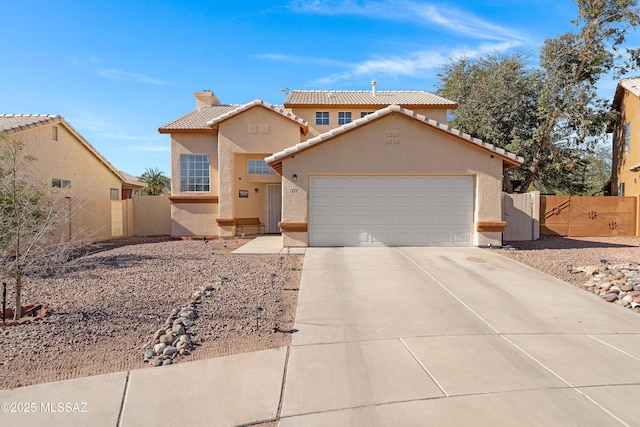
<point>204,98</point>
<point>373,87</point>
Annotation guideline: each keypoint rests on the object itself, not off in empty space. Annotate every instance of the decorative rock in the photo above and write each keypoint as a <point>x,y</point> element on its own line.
<point>166,339</point>
<point>626,287</point>
<point>174,312</point>
<point>156,362</point>
<point>615,289</point>
<point>159,348</point>
<point>622,302</point>
<point>636,300</point>
<point>611,297</point>
<point>605,286</point>
<point>185,339</point>
<point>156,336</point>
<point>179,330</point>
<point>627,298</point>
<point>188,314</point>
<point>177,322</point>
<point>148,354</point>
<point>166,362</point>
<point>181,344</point>
<point>170,351</point>
<point>187,323</point>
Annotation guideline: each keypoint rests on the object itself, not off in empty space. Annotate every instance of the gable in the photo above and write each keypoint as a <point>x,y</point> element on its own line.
<point>384,132</point>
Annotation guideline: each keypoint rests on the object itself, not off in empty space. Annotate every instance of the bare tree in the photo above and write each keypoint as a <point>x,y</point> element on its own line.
<point>33,217</point>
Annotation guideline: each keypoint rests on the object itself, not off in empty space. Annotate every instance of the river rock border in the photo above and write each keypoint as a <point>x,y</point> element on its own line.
<point>619,283</point>
<point>173,340</point>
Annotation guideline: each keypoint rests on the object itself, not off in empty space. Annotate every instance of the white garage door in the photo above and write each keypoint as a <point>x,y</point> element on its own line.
<point>391,211</point>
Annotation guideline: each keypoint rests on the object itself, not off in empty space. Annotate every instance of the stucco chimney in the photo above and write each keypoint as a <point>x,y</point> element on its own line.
<point>204,98</point>
<point>373,87</point>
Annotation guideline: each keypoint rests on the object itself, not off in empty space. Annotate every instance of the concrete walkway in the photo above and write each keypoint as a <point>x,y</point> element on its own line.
<point>390,337</point>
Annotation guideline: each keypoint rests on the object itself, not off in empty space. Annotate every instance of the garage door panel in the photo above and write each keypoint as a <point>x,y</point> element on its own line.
<point>362,211</point>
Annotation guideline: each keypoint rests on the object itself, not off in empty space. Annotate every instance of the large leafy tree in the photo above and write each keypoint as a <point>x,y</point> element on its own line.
<point>550,115</point>
<point>156,181</point>
<point>32,219</point>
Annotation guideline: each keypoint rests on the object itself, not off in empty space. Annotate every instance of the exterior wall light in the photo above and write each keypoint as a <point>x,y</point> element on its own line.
<point>295,177</point>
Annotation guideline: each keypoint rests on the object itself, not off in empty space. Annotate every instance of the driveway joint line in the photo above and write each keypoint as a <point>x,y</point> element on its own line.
<point>615,348</point>
<point>124,396</point>
<point>448,291</point>
<point>424,368</point>
<point>284,383</point>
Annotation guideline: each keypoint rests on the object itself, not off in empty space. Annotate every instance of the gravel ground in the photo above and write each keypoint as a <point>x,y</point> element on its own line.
<point>551,254</point>
<point>108,304</point>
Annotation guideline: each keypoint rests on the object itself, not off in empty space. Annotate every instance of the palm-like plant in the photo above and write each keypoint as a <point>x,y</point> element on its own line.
<point>156,181</point>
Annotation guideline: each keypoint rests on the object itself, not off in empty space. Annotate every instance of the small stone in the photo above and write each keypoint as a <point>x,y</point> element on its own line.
<point>174,312</point>
<point>184,352</point>
<point>181,344</point>
<point>605,286</point>
<point>615,289</point>
<point>167,362</point>
<point>611,297</point>
<point>622,302</point>
<point>177,322</point>
<point>187,323</point>
<point>170,351</point>
<point>178,330</point>
<point>156,336</point>
<point>156,362</point>
<point>626,287</point>
<point>185,338</point>
<point>159,348</point>
<point>627,298</point>
<point>148,354</point>
<point>188,314</point>
<point>636,287</point>
<point>166,339</point>
<point>636,300</point>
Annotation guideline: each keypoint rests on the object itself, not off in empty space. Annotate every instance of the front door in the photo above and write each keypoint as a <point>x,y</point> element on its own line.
<point>274,207</point>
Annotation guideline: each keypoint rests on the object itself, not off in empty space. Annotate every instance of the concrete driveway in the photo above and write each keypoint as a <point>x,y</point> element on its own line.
<point>460,336</point>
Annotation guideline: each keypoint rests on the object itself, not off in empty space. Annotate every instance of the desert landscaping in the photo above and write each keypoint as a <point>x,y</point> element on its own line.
<point>108,305</point>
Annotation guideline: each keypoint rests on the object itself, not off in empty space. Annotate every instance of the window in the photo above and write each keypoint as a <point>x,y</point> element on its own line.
<point>365,113</point>
<point>621,189</point>
<point>54,133</point>
<point>60,183</point>
<point>194,172</point>
<point>322,118</point>
<point>627,137</point>
<point>344,117</point>
<point>259,167</point>
<point>114,194</point>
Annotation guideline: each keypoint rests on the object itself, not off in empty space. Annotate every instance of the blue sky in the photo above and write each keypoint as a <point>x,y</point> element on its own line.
<point>118,70</point>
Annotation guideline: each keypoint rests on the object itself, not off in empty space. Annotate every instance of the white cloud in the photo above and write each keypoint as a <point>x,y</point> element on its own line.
<point>418,13</point>
<point>113,74</point>
<point>93,64</point>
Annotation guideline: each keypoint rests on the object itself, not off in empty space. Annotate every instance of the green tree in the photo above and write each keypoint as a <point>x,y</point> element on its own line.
<point>32,216</point>
<point>549,115</point>
<point>156,182</point>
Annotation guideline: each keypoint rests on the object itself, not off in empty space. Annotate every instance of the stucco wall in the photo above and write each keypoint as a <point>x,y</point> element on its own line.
<point>194,219</point>
<point>151,216</point>
<point>631,113</point>
<point>260,132</point>
<point>91,181</point>
<point>420,150</point>
<point>309,114</point>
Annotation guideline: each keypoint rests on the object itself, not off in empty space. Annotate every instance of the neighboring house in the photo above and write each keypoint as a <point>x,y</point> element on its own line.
<point>625,168</point>
<point>66,160</point>
<point>131,186</point>
<point>336,168</point>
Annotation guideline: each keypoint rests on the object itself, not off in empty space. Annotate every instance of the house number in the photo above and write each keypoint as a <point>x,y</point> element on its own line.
<point>293,190</point>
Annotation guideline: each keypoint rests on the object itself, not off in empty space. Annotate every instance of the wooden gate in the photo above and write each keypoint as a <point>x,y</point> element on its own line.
<point>575,216</point>
<point>522,215</point>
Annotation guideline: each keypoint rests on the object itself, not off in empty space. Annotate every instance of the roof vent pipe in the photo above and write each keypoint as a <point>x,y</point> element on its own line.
<point>373,87</point>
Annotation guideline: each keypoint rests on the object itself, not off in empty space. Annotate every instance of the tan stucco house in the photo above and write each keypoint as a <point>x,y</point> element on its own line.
<point>66,160</point>
<point>625,171</point>
<point>336,168</point>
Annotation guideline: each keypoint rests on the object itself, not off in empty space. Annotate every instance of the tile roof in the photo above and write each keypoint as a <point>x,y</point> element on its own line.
<point>258,102</point>
<point>509,158</point>
<point>301,98</point>
<point>632,84</point>
<point>18,122</point>
<point>197,119</point>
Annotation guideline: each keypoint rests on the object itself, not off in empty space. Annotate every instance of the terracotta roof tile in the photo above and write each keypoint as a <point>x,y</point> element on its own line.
<point>632,84</point>
<point>510,158</point>
<point>197,119</point>
<point>258,102</point>
<point>19,122</point>
<point>301,98</point>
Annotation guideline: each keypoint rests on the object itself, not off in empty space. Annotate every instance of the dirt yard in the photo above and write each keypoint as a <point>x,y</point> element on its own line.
<point>108,305</point>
